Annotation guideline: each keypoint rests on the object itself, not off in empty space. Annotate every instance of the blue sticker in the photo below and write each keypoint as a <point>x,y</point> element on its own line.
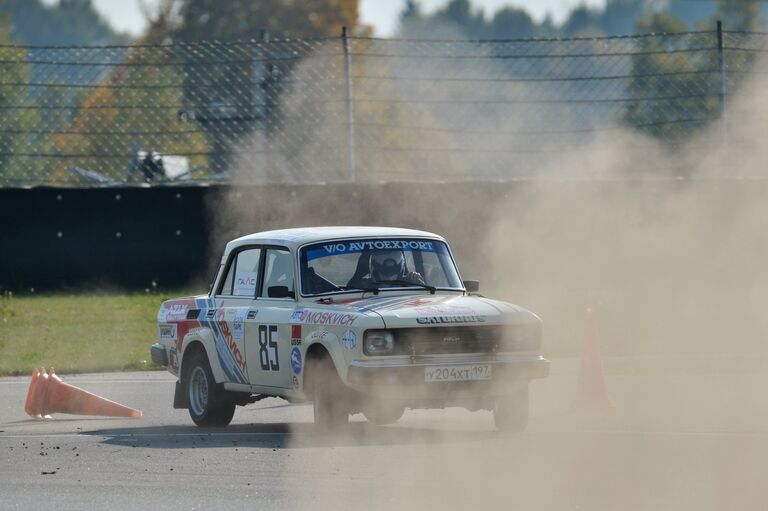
<point>349,339</point>
<point>358,246</point>
<point>296,360</point>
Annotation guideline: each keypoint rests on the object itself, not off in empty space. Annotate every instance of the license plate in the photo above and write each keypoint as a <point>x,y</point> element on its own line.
<point>469,372</point>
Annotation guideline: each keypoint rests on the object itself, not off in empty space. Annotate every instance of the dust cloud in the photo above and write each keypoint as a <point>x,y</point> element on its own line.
<point>668,247</point>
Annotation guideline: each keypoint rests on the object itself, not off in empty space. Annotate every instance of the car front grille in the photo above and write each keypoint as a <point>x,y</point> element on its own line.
<point>447,340</point>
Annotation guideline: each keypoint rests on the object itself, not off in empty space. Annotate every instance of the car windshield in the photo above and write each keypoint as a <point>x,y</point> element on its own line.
<point>374,264</point>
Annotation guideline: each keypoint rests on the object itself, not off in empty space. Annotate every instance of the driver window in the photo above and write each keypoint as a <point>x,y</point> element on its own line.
<point>278,270</point>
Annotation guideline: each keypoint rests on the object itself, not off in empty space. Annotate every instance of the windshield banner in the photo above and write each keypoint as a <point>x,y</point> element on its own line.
<point>357,246</point>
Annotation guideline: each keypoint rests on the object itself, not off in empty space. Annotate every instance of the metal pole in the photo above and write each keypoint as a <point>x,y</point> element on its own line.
<point>350,104</point>
<point>721,65</point>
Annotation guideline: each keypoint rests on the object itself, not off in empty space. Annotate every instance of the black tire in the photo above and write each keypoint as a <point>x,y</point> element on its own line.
<point>382,414</point>
<point>329,397</point>
<point>208,404</point>
<point>510,412</point>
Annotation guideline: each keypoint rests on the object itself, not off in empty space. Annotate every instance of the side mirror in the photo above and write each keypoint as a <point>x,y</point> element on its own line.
<point>280,292</point>
<point>472,286</point>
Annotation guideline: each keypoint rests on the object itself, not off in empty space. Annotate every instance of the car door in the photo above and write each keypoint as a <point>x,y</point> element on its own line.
<point>234,305</point>
<point>269,336</point>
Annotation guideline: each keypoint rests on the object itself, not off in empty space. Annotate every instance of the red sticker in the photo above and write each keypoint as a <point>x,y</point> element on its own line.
<point>296,331</point>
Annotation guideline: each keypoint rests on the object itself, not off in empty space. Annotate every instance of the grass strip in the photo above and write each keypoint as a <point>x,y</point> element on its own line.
<point>78,332</point>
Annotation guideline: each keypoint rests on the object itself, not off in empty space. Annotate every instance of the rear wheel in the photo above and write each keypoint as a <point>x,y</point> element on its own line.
<point>382,413</point>
<point>331,409</point>
<point>208,404</point>
<point>510,412</point>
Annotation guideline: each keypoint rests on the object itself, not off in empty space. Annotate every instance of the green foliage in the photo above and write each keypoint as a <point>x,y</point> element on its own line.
<point>659,73</point>
<point>19,111</point>
<point>230,21</point>
<point>738,15</point>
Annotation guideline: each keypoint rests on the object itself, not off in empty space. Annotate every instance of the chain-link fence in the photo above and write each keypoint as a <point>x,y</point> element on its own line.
<point>348,108</point>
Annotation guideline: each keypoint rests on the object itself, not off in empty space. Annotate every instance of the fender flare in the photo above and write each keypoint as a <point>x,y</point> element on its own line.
<point>337,358</point>
<point>205,337</point>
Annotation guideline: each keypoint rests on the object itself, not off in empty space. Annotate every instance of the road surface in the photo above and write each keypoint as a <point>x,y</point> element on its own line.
<point>681,436</point>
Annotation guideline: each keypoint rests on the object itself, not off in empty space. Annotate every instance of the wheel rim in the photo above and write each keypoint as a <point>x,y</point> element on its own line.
<point>198,391</point>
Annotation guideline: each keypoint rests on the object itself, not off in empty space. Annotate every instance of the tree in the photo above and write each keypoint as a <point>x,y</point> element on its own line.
<point>134,105</point>
<point>511,23</point>
<point>738,15</point>
<point>582,21</point>
<point>672,97</point>
<point>205,20</point>
<point>18,113</point>
<point>620,16</point>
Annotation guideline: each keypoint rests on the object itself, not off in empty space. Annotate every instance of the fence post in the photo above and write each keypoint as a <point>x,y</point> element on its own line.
<point>721,65</point>
<point>350,104</point>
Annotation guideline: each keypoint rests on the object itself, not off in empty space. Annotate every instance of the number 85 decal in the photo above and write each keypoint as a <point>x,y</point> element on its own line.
<point>268,348</point>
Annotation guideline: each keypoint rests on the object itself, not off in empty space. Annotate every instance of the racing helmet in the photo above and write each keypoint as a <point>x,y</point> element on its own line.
<point>387,265</point>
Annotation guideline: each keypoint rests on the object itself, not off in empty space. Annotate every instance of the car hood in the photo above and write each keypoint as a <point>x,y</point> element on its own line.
<point>401,311</point>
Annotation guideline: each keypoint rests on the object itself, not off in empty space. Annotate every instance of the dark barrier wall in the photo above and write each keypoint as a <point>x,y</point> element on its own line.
<point>60,238</point>
<point>54,238</point>
<point>63,238</point>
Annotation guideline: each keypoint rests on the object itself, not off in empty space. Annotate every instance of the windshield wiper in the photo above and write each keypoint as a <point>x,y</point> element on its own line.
<point>374,290</point>
<point>432,289</point>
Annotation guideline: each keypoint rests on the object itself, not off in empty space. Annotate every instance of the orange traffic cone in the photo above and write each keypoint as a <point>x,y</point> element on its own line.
<point>29,405</point>
<point>593,393</point>
<point>48,394</point>
<point>36,394</point>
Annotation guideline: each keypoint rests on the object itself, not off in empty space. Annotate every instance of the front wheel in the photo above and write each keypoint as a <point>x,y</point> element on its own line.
<point>331,408</point>
<point>382,413</point>
<point>208,405</point>
<point>510,412</point>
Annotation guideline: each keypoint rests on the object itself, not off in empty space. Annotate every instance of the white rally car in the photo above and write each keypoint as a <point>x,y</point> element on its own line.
<point>354,319</point>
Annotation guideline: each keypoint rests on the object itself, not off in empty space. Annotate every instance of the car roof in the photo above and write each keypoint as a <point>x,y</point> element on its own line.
<point>293,238</point>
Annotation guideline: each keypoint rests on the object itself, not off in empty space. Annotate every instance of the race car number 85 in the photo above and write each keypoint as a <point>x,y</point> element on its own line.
<point>268,348</point>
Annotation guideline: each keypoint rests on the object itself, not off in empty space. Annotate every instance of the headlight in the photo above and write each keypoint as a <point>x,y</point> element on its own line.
<point>379,342</point>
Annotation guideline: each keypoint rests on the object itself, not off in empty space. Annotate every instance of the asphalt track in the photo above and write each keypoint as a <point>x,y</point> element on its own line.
<point>682,438</point>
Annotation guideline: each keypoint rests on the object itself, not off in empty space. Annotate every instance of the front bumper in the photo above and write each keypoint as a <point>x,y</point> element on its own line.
<point>405,378</point>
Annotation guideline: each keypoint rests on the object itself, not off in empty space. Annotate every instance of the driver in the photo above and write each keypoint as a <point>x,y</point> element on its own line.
<point>384,265</point>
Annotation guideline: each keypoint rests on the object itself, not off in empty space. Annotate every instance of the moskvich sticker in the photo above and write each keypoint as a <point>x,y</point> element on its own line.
<point>309,317</point>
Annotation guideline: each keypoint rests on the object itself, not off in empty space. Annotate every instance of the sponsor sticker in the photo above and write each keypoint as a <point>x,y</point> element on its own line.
<point>229,341</point>
<point>245,283</point>
<point>296,360</point>
<point>295,335</point>
<point>162,315</point>
<point>357,246</point>
<point>252,314</point>
<point>295,382</point>
<point>238,325</point>
<point>319,335</point>
<point>444,310</point>
<point>177,311</point>
<point>309,317</point>
<point>167,332</point>
<point>349,339</point>
<point>435,320</point>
